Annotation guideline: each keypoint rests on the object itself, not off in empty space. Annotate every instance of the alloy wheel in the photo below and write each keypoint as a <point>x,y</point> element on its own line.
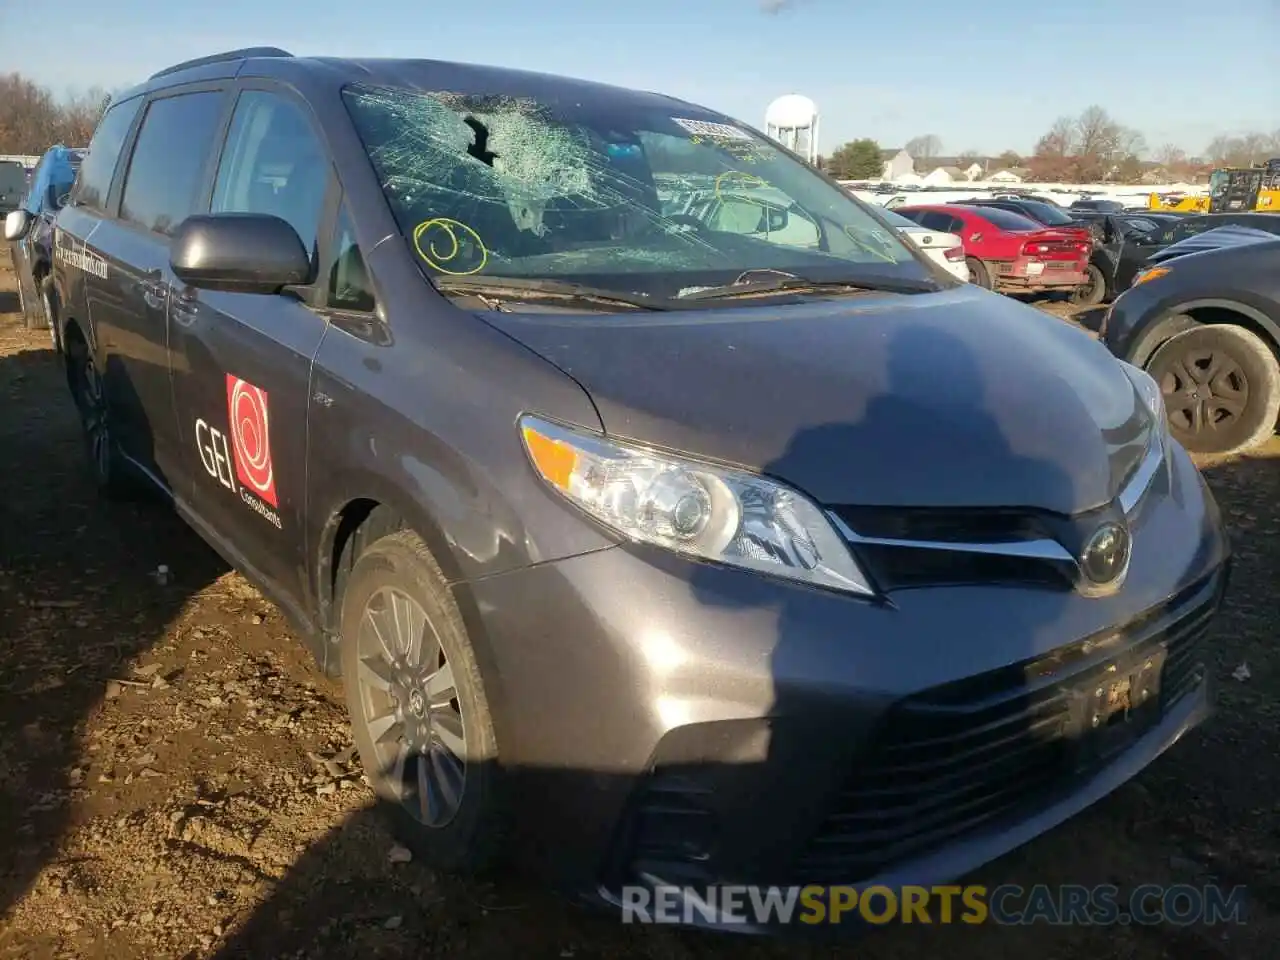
<point>1204,390</point>
<point>409,706</point>
<point>92,401</point>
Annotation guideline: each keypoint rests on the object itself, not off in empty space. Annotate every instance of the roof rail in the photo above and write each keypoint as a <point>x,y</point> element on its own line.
<point>244,53</point>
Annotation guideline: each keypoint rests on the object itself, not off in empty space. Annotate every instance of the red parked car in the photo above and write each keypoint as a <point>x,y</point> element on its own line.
<point>1008,252</point>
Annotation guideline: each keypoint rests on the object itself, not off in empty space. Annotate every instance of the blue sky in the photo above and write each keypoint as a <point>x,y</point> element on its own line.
<point>987,76</point>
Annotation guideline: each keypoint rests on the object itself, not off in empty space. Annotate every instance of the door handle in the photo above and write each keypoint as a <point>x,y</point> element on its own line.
<point>153,292</point>
<point>183,308</point>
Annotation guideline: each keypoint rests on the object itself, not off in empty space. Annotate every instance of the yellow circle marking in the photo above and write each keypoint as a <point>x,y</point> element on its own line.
<point>435,258</point>
<point>749,179</point>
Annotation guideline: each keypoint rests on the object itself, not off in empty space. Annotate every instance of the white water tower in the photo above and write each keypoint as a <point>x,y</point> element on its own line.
<point>792,120</point>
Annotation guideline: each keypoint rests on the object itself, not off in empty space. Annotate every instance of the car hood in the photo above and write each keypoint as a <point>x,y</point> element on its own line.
<point>1215,239</point>
<point>962,398</point>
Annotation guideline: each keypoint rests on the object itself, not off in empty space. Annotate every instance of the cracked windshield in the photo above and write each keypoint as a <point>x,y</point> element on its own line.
<point>629,201</point>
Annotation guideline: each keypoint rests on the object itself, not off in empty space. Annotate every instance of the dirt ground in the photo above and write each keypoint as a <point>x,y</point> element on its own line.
<point>176,777</point>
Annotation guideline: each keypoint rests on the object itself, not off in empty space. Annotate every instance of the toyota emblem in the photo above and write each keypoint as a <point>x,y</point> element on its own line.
<point>1105,558</point>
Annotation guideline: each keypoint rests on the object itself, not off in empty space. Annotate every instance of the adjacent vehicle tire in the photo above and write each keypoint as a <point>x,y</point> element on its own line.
<point>1221,386</point>
<point>49,312</point>
<point>22,297</point>
<point>978,273</point>
<point>110,472</point>
<point>1094,290</point>
<point>419,715</point>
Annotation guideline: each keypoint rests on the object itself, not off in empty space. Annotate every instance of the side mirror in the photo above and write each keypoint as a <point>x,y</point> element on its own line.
<point>238,253</point>
<point>16,225</point>
<point>774,219</point>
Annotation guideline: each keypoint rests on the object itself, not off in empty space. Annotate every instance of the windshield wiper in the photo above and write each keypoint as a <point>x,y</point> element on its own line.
<point>508,289</point>
<point>799,285</point>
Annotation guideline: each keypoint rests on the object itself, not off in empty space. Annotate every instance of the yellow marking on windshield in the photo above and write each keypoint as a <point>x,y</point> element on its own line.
<point>436,259</point>
<point>748,180</point>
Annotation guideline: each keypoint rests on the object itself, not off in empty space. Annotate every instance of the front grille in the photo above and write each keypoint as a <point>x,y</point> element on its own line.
<point>956,525</point>
<point>967,754</point>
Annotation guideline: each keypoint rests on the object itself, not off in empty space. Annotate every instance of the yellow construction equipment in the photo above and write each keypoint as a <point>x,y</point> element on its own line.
<point>1178,203</point>
<point>1231,190</point>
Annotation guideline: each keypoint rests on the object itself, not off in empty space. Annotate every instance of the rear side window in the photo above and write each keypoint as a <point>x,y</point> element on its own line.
<point>937,221</point>
<point>913,215</point>
<point>1004,220</point>
<point>273,164</point>
<point>1047,214</point>
<point>169,158</point>
<point>99,166</point>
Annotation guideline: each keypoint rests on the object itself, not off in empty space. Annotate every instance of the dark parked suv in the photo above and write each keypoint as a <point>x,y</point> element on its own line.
<point>747,547</point>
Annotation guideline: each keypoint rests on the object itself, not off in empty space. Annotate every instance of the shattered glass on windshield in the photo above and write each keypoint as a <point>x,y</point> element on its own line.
<point>514,187</point>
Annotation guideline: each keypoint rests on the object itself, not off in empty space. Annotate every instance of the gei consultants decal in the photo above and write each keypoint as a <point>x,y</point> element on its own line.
<point>243,464</point>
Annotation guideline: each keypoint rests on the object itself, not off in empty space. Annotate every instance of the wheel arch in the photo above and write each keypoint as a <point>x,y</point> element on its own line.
<point>373,510</point>
<point>1186,316</point>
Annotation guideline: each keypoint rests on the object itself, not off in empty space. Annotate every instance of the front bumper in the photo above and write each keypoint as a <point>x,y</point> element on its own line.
<point>665,721</point>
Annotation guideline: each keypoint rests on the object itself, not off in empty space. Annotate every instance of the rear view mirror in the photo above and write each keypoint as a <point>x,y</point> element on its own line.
<point>239,253</point>
<point>16,225</point>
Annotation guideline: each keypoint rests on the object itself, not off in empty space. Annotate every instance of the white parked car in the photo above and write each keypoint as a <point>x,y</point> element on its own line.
<point>945,248</point>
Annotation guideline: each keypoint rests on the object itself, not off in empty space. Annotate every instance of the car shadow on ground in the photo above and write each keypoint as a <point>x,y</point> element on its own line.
<point>78,604</point>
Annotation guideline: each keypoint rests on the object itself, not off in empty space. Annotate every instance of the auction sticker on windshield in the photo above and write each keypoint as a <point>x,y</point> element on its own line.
<point>706,128</point>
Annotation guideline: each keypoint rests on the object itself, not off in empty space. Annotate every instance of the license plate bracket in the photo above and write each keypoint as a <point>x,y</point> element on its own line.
<point>1118,704</point>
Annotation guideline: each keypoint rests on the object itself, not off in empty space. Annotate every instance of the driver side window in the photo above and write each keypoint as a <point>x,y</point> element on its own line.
<point>273,164</point>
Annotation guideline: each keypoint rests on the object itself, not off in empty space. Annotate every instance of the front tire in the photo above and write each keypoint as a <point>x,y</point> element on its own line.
<point>110,472</point>
<point>1221,386</point>
<point>419,715</point>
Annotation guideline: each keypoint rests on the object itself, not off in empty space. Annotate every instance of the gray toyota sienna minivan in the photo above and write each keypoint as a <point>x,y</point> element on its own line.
<point>669,518</point>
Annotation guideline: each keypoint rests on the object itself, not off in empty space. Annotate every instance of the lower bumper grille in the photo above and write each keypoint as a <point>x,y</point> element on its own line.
<point>961,756</point>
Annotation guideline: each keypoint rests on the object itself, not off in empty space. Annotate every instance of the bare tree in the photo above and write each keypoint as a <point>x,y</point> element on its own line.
<point>80,114</point>
<point>1060,141</point>
<point>28,116</point>
<point>924,148</point>
<point>1255,147</point>
<point>1170,155</point>
<point>1244,150</point>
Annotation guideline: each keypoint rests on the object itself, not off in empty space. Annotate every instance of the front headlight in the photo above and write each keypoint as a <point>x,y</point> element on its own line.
<point>714,513</point>
<point>1149,391</point>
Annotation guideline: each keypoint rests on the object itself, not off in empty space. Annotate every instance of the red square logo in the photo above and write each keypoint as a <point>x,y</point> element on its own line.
<point>250,423</point>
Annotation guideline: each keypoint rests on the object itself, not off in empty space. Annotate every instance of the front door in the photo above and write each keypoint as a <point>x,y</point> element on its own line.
<point>241,363</point>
